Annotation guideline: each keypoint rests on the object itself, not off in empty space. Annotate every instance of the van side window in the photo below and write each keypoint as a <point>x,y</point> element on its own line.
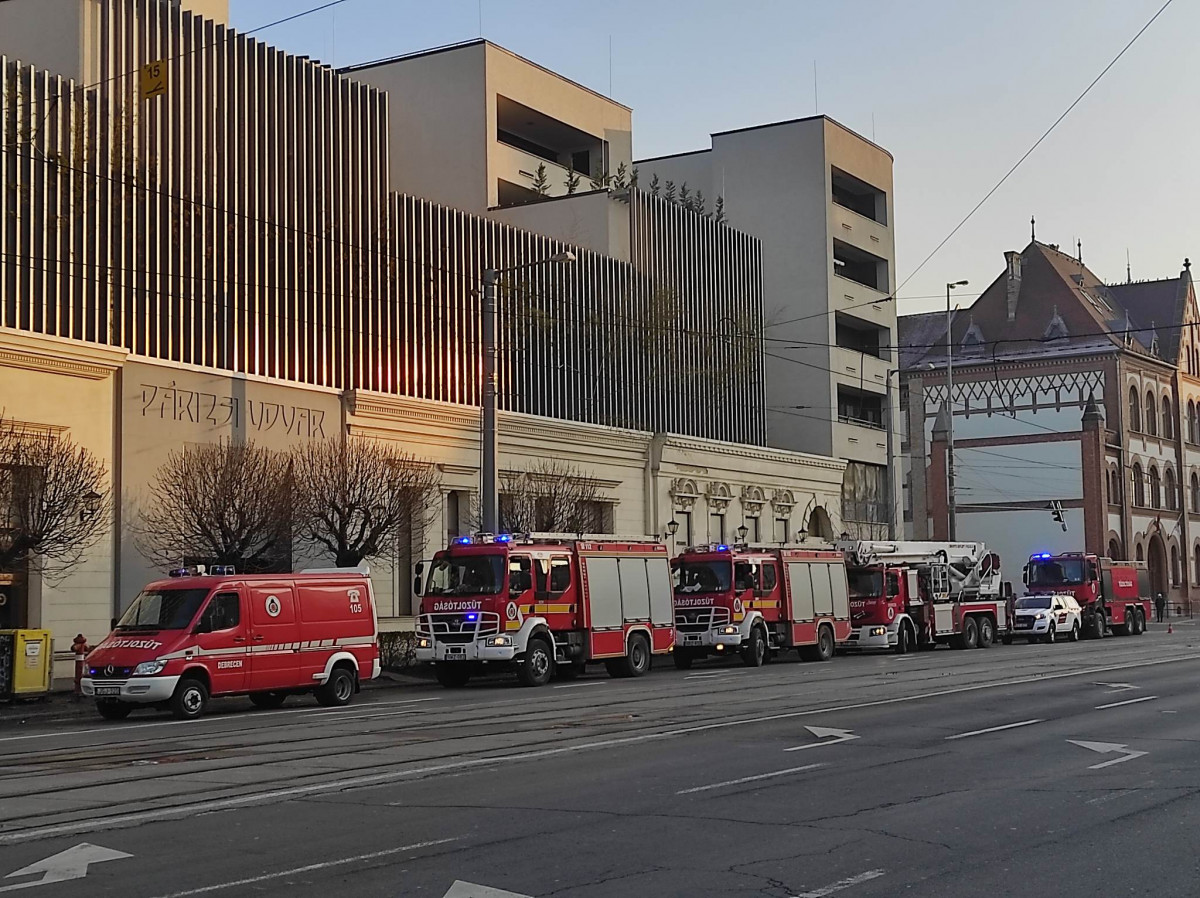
<point>224,612</point>
<point>560,575</point>
<point>520,574</point>
<point>767,573</point>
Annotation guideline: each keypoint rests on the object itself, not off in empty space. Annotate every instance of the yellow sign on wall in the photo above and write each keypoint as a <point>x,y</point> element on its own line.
<point>153,80</point>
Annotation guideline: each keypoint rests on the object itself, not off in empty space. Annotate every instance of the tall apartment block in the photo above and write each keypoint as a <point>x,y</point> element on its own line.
<point>819,197</point>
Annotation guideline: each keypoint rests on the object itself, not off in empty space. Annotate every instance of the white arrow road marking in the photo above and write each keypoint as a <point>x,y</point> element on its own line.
<point>462,889</point>
<point>1128,701</point>
<point>842,884</point>
<point>66,865</point>
<point>1118,687</point>
<point>1107,748</point>
<point>749,779</point>
<point>307,869</point>
<point>1007,726</point>
<point>823,732</point>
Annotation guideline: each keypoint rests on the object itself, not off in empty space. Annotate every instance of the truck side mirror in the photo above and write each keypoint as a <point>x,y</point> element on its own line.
<point>417,582</point>
<point>420,568</point>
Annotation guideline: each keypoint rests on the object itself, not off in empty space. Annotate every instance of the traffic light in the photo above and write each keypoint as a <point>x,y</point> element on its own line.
<point>1056,510</point>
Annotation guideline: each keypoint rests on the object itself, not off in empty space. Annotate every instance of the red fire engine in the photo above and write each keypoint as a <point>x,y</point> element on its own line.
<point>907,595</point>
<point>544,603</point>
<point>757,600</point>
<point>1113,594</point>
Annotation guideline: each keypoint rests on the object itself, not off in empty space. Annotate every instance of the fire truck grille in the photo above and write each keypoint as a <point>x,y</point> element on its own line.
<point>700,620</point>
<point>459,628</point>
<point>108,672</point>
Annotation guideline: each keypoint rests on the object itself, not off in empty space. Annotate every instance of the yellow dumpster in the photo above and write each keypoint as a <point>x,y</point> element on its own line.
<point>30,663</point>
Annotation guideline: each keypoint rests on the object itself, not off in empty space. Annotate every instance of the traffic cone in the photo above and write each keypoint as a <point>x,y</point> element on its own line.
<point>1170,629</point>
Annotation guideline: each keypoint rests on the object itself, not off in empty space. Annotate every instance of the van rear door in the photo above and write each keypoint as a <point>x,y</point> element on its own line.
<point>274,637</point>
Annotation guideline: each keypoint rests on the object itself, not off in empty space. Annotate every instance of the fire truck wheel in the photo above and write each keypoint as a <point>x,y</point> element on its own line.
<point>1141,623</point>
<point>1130,626</point>
<point>111,710</point>
<point>683,659</point>
<point>190,698</point>
<point>1099,624</point>
<point>970,634</point>
<point>636,661</point>
<point>903,639</point>
<point>755,651</point>
<point>538,665</point>
<point>823,650</point>
<point>337,690</point>
<point>987,632</point>
<point>268,700</point>
<point>452,675</point>
<point>1074,637</point>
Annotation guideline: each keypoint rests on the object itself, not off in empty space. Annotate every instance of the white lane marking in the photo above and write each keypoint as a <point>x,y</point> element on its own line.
<point>1118,687</point>
<point>1108,748</point>
<point>1128,701</point>
<point>462,889</point>
<point>309,868</point>
<point>96,822</point>
<point>1111,796</point>
<point>842,884</point>
<point>64,866</point>
<point>223,718</point>
<point>748,779</point>
<point>1007,726</point>
<point>705,676</point>
<point>821,733</point>
<point>341,718</point>
<point>578,685</point>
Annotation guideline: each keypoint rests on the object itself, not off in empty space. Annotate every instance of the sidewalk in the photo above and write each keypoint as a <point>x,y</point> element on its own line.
<point>61,704</point>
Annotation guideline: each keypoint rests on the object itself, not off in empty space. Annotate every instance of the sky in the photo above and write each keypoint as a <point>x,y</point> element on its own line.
<point>956,91</point>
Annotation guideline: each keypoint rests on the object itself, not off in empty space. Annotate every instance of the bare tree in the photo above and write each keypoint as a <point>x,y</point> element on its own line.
<point>356,499</point>
<point>551,497</point>
<point>219,503</point>
<point>55,502</point>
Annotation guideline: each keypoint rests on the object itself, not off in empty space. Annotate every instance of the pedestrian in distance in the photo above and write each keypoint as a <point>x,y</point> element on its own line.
<point>1160,603</point>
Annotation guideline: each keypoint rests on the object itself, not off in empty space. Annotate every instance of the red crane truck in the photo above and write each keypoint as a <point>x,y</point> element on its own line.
<point>906,594</point>
<point>754,601</point>
<point>1114,595</point>
<point>542,604</point>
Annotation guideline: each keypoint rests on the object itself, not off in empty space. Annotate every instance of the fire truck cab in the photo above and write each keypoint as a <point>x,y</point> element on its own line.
<point>756,600</point>
<point>543,603</point>
<point>1114,595</point>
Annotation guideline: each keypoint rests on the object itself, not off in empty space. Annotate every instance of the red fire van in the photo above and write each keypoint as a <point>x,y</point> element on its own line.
<point>213,633</point>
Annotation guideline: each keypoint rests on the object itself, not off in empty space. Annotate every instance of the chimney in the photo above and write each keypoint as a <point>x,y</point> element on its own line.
<point>1013,282</point>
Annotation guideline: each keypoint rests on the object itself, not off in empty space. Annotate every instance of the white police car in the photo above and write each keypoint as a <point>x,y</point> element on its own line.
<point>1047,618</point>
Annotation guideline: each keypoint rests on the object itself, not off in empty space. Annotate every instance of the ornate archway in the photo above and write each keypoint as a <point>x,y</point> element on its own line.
<point>1156,560</point>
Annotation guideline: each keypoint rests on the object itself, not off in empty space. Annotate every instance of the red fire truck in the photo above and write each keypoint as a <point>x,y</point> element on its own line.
<point>758,600</point>
<point>906,595</point>
<point>544,603</point>
<point>1114,595</point>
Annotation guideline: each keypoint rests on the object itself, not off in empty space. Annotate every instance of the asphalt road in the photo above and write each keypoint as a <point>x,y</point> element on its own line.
<point>950,774</point>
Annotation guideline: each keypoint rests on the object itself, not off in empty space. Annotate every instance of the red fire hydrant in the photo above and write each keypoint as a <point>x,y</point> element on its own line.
<point>81,648</point>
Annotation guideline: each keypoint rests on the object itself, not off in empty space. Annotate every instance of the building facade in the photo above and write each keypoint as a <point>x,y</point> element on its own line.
<point>820,199</point>
<point>226,260</point>
<point>1066,390</point>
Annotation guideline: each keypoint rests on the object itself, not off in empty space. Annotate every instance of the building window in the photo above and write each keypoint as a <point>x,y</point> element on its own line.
<point>1140,555</point>
<point>1196,553</point>
<point>782,530</point>
<point>1135,410</point>
<point>1139,486</point>
<point>753,530</point>
<point>860,266</point>
<point>1195,493</point>
<point>1114,550</point>
<point>1169,489</point>
<point>716,528</point>
<point>1168,428</point>
<point>1191,422</point>
<point>858,407</point>
<point>683,536</point>
<point>1151,418</point>
<point>1155,488</point>
<point>1174,566</point>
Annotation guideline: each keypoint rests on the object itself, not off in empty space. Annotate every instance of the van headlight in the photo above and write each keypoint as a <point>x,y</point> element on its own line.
<point>729,631</point>
<point>149,668</point>
<point>500,641</point>
<point>422,643</point>
<point>878,631</point>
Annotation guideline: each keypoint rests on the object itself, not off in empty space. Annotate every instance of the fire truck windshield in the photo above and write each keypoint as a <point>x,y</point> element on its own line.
<point>467,575</point>
<point>162,609</point>
<point>864,584</point>
<point>1057,572</point>
<point>703,576</point>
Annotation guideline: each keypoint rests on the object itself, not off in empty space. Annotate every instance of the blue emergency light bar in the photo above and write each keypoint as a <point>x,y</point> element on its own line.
<point>462,541</point>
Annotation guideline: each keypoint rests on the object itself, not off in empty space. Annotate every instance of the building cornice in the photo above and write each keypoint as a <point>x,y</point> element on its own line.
<point>759,453</point>
<point>54,355</point>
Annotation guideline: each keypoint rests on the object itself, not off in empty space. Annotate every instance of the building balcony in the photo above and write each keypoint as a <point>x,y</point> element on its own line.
<point>860,301</point>
<point>856,368</point>
<point>860,231</point>
<point>859,441</point>
<point>518,168</point>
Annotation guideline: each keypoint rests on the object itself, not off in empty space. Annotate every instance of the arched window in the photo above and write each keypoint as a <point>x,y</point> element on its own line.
<point>1191,422</point>
<point>1151,418</point>
<point>1114,550</point>
<point>1155,488</point>
<point>1168,427</point>
<point>1114,487</point>
<point>1169,493</point>
<point>1135,410</point>
<point>1174,566</point>
<point>1139,486</point>
<point>1195,493</point>
<point>1196,552</point>
<point>1140,556</point>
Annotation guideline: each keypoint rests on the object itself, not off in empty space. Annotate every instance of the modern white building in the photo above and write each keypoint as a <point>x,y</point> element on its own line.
<point>819,197</point>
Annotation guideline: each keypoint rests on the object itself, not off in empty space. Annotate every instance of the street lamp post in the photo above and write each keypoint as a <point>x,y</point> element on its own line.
<point>951,517</point>
<point>891,470</point>
<point>489,488</point>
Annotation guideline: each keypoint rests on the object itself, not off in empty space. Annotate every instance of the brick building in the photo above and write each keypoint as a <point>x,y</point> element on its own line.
<point>1065,389</point>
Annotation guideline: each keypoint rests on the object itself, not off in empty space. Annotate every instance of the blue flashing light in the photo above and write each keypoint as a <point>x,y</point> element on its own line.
<point>463,541</point>
<point>1043,555</point>
<point>472,616</point>
<point>722,548</point>
<point>503,538</point>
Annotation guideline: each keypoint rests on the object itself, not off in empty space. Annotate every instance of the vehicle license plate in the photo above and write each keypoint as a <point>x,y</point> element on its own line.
<point>108,690</point>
